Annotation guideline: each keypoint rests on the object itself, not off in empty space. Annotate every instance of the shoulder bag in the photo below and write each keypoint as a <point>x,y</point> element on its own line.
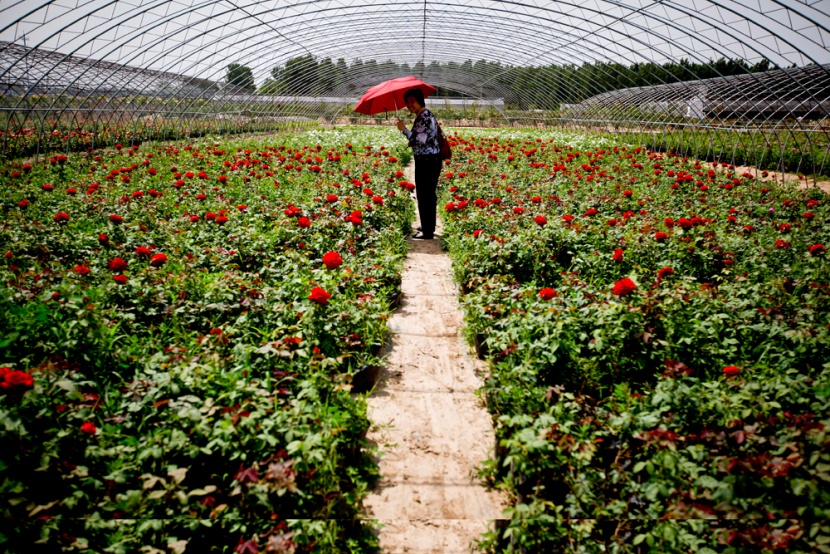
<point>444,145</point>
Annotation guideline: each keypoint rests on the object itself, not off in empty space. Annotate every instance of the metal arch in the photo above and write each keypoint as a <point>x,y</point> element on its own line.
<point>203,4</point>
<point>148,46</point>
<point>534,7</point>
<point>338,8</point>
<point>561,32</point>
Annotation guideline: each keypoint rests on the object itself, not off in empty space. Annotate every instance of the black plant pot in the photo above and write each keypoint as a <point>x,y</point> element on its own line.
<point>480,342</point>
<point>395,300</point>
<point>365,378</point>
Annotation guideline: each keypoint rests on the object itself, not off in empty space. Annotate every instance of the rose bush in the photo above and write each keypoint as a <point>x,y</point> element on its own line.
<point>683,350</point>
<point>183,389</point>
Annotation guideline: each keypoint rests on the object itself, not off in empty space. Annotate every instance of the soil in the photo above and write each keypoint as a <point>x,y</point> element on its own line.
<point>431,429</point>
<point>782,178</point>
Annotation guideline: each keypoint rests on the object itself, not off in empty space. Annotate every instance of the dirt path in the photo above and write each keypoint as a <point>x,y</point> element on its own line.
<point>781,178</point>
<point>430,427</point>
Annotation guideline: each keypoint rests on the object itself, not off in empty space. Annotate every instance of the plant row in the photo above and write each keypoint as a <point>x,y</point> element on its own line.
<point>782,149</point>
<point>657,333</point>
<point>181,329</point>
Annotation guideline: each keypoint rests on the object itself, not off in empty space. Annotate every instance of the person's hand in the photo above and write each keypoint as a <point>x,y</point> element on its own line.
<point>400,125</point>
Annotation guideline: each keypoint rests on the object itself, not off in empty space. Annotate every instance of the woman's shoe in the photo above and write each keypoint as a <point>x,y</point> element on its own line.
<point>421,236</point>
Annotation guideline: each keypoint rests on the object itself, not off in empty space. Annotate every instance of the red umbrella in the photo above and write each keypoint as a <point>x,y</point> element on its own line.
<point>388,95</point>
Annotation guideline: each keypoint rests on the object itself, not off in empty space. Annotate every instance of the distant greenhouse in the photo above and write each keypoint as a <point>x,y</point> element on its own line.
<point>802,93</point>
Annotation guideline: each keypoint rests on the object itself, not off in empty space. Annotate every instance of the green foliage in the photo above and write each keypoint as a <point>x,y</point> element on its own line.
<point>240,76</point>
<point>200,400</point>
<point>685,411</point>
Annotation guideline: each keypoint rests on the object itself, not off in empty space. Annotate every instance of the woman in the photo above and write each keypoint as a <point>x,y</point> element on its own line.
<point>423,138</point>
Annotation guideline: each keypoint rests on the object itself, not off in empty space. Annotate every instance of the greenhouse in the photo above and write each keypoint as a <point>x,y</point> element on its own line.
<point>251,303</point>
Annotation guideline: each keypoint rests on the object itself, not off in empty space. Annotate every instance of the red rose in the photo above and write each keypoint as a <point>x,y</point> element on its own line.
<point>817,249</point>
<point>782,244</point>
<point>449,207</point>
<point>590,212</point>
<point>14,380</point>
<point>547,293</point>
<point>158,260</point>
<point>355,218</point>
<point>242,207</point>
<point>332,260</point>
<point>624,287</point>
<point>477,233</point>
<point>319,296</point>
<point>89,428</point>
<point>61,217</point>
<point>115,218</point>
<point>808,216</point>
<point>541,220</point>
<point>731,370</point>
<point>660,236</point>
<point>121,279</point>
<point>664,272</point>
<point>117,264</point>
<point>221,220</point>
<point>143,252</point>
<point>567,218</point>
<point>627,193</point>
<point>303,222</point>
<point>618,255</point>
<point>103,239</point>
<point>331,198</point>
<point>82,270</point>
<point>669,222</point>
<point>518,210</point>
<point>210,216</point>
<point>784,228</point>
<point>23,204</point>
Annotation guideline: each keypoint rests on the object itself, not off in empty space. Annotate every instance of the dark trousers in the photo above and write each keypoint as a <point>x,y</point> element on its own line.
<point>427,172</point>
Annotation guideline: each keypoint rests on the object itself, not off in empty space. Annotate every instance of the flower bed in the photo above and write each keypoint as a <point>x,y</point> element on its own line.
<point>179,327</point>
<point>658,336</point>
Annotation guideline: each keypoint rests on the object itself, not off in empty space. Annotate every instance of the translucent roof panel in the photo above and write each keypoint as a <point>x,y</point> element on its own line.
<point>307,60</point>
